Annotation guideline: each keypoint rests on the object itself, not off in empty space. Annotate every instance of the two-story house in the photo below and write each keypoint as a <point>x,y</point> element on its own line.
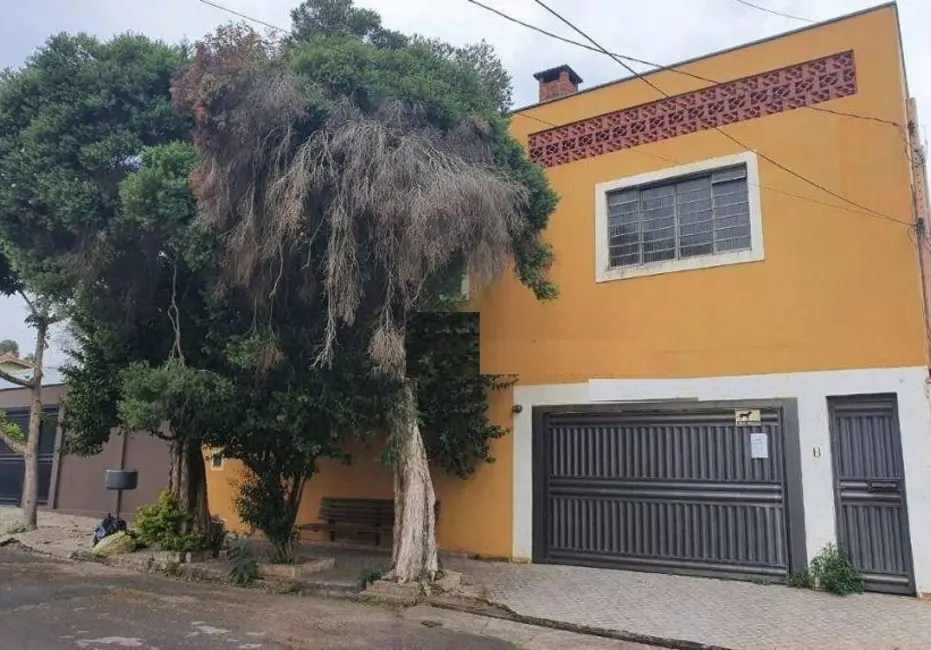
<point>735,373</point>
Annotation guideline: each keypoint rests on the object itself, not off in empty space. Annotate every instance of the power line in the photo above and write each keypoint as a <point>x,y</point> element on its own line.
<point>717,128</point>
<point>597,48</point>
<point>774,12</point>
<point>658,67</point>
<point>245,17</point>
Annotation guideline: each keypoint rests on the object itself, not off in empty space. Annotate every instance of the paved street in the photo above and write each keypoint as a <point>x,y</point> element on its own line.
<point>49,604</point>
<point>729,614</point>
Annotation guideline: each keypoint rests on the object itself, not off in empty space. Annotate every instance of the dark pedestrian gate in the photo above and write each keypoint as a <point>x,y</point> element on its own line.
<point>11,462</point>
<point>674,489</point>
<point>869,479</point>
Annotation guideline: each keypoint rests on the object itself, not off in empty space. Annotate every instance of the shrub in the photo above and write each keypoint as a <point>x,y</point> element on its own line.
<point>243,567</point>
<point>800,580</point>
<point>832,571</point>
<point>267,504</point>
<point>163,524</point>
<point>368,576</point>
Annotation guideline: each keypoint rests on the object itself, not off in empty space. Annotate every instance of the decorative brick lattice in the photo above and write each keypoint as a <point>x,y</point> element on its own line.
<point>772,92</point>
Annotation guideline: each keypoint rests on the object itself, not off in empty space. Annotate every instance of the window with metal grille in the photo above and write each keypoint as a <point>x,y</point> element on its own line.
<point>702,214</point>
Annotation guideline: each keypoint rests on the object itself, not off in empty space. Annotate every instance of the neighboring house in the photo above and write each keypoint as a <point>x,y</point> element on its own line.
<point>75,484</point>
<point>735,373</point>
<point>16,366</point>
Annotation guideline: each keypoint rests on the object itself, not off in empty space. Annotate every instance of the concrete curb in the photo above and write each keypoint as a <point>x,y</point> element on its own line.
<point>46,548</point>
<point>496,610</point>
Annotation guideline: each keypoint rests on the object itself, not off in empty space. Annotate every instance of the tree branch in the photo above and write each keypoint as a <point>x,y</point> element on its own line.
<point>13,379</point>
<point>32,306</point>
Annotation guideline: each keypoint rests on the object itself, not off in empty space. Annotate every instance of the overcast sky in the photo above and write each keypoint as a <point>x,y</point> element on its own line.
<point>664,31</point>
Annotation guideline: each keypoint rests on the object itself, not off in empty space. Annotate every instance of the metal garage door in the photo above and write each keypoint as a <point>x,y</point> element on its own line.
<point>11,463</point>
<point>670,489</point>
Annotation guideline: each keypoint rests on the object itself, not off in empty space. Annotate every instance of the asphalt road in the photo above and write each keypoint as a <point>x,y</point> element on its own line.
<point>47,604</point>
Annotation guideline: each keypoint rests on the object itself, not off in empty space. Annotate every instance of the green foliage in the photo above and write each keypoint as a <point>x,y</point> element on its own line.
<point>11,430</point>
<point>9,280</point>
<point>832,571</point>
<point>9,345</point>
<point>73,123</point>
<point>163,524</point>
<point>443,359</point>
<point>243,567</point>
<point>800,580</point>
<point>369,576</point>
<point>268,505</point>
<point>188,400</point>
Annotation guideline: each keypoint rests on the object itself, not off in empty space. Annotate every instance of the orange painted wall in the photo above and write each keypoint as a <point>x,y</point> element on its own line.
<point>837,289</point>
<point>475,514</point>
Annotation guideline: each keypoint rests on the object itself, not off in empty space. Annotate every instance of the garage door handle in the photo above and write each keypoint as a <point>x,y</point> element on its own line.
<point>891,485</point>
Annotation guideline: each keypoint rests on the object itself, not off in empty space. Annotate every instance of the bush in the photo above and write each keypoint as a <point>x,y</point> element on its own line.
<point>368,576</point>
<point>800,580</point>
<point>265,503</point>
<point>163,525</point>
<point>243,567</point>
<point>832,571</point>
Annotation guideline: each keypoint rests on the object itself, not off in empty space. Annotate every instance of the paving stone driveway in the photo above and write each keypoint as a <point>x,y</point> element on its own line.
<point>729,614</point>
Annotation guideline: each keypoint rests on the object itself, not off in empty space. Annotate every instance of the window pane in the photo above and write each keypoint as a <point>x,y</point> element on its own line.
<point>731,216</point>
<point>729,174</point>
<point>624,228</point>
<point>696,231</point>
<point>658,223</point>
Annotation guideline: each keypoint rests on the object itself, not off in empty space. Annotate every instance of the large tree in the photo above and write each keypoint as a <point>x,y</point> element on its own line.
<point>74,123</point>
<point>385,170</point>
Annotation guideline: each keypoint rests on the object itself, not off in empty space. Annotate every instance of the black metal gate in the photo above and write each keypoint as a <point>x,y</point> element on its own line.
<point>11,463</point>
<point>684,490</point>
<point>869,479</point>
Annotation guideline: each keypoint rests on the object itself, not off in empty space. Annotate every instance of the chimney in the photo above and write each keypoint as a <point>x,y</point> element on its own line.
<point>557,82</point>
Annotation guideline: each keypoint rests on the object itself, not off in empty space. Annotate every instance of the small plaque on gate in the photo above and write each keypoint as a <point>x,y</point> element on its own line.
<point>747,417</point>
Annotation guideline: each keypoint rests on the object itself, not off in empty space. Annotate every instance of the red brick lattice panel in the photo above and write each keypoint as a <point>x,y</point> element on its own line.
<point>772,92</point>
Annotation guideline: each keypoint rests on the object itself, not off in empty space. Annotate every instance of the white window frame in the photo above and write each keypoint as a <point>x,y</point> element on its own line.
<point>604,272</point>
<point>215,455</point>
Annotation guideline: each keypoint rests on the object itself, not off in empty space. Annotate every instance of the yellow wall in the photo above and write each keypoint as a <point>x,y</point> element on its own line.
<point>475,514</point>
<point>837,289</point>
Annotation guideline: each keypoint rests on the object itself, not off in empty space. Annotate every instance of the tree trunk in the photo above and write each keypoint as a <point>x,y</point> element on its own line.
<point>415,551</point>
<point>187,482</point>
<point>30,501</point>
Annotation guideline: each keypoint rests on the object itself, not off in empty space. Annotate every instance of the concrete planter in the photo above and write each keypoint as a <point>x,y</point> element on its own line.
<point>295,571</point>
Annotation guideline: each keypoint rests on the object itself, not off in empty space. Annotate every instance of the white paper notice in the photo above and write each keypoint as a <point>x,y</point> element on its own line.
<point>759,445</point>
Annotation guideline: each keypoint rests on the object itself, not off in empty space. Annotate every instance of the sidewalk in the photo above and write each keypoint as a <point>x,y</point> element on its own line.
<point>718,613</point>
<point>58,535</point>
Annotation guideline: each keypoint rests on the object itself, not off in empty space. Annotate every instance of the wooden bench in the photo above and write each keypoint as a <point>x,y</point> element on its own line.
<point>360,516</point>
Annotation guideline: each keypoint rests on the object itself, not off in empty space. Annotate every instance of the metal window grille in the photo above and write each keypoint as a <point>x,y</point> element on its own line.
<point>705,214</point>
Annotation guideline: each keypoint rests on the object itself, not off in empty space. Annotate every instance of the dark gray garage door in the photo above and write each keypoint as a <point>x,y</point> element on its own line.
<point>670,489</point>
